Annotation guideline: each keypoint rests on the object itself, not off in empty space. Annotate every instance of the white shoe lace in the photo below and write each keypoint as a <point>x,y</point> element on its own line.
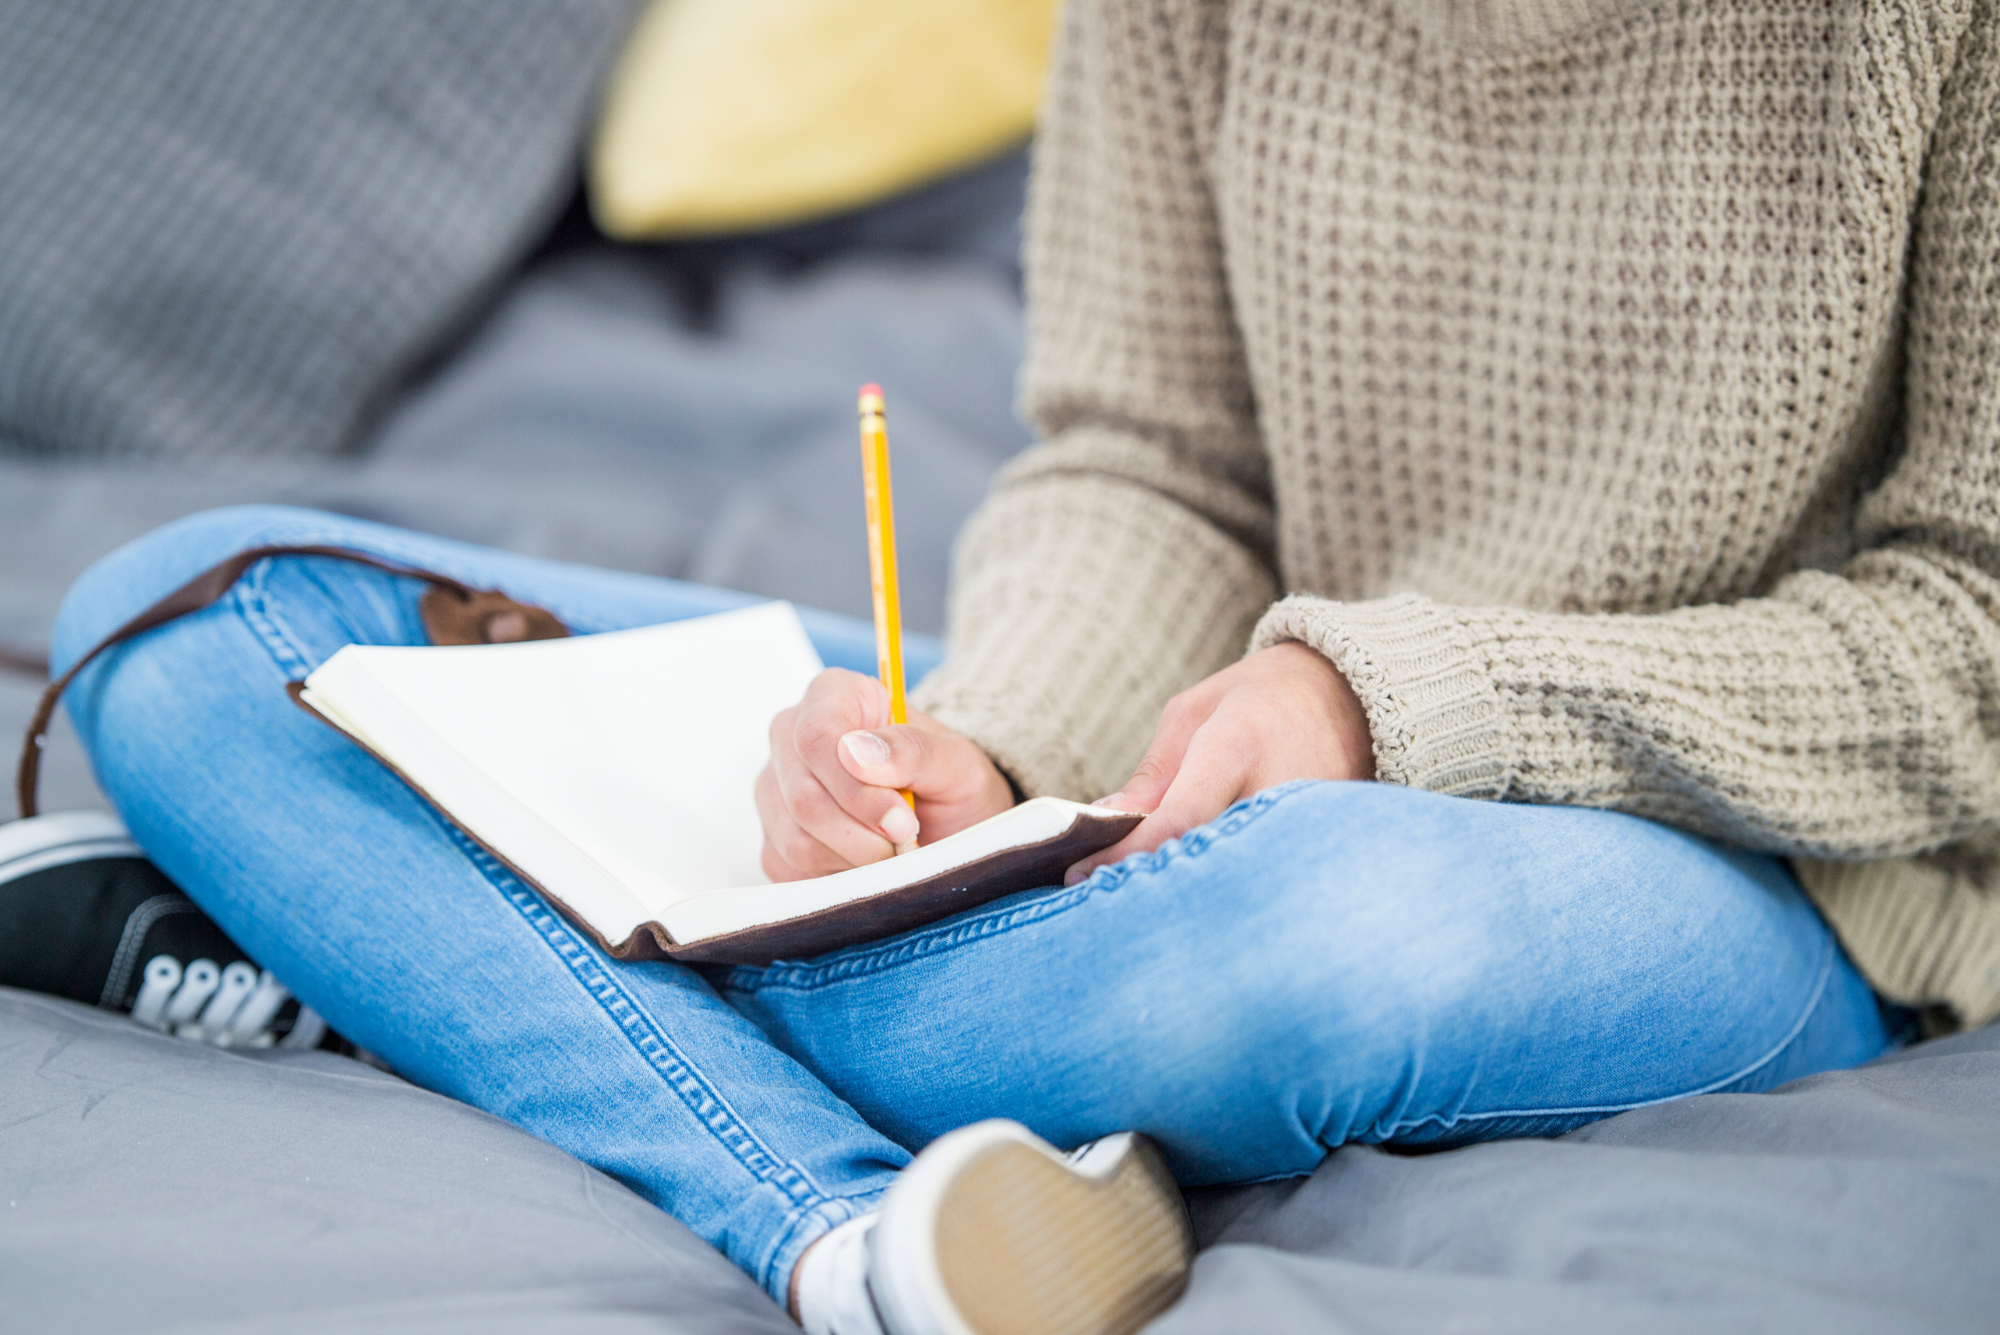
<point>229,1008</point>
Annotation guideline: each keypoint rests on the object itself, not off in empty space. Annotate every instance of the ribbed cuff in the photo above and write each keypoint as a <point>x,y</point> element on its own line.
<point>1423,680</point>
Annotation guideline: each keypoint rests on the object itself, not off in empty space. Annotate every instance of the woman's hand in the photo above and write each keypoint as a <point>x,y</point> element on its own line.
<point>829,798</point>
<point>1285,713</point>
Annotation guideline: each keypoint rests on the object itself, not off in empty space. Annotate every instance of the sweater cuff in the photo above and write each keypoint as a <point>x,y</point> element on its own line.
<point>1423,678</point>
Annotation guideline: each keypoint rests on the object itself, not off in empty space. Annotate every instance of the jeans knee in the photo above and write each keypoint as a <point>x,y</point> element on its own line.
<point>121,585</point>
<point>1359,899</point>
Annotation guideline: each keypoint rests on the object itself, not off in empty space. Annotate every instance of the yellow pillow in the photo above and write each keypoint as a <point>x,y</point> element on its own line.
<point>726,115</point>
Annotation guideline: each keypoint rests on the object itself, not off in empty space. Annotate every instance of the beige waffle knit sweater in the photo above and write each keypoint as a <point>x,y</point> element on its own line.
<point>1611,390</point>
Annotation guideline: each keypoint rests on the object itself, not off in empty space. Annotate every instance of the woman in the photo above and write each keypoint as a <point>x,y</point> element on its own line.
<point>1611,388</point>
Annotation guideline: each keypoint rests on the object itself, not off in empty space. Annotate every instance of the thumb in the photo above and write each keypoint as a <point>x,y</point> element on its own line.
<point>1161,765</point>
<point>897,756</point>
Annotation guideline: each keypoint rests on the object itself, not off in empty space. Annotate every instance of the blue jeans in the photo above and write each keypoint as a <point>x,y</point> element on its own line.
<point>1323,963</point>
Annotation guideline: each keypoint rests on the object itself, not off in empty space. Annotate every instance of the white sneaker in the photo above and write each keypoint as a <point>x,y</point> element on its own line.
<point>992,1231</point>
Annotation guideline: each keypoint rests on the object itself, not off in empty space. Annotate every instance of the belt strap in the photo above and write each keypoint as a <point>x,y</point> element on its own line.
<point>453,613</point>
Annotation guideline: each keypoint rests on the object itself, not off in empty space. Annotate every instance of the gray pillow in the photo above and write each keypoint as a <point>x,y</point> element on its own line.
<point>231,226</point>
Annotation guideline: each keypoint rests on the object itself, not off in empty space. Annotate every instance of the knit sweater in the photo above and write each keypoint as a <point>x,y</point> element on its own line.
<point>1610,390</point>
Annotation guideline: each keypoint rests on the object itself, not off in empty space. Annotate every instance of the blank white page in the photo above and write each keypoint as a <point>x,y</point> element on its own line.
<point>637,747</point>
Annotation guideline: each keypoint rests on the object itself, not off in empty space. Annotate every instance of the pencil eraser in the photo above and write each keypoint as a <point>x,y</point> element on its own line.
<point>871,397</point>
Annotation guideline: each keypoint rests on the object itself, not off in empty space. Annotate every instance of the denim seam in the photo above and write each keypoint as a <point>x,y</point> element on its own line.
<point>809,1203</point>
<point>1777,1050</point>
<point>706,1103</point>
<point>556,933</point>
<point>1105,880</point>
<point>253,604</point>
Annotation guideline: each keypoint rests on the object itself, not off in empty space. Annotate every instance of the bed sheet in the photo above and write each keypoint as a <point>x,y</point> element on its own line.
<point>149,1183</point>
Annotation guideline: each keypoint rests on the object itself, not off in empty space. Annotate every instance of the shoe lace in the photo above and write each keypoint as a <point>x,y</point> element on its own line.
<point>233,1007</point>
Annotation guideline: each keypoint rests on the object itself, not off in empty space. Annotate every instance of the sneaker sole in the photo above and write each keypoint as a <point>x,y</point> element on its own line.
<point>42,842</point>
<point>1021,1241</point>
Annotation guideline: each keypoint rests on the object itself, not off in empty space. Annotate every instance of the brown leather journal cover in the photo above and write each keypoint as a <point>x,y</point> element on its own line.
<point>870,919</point>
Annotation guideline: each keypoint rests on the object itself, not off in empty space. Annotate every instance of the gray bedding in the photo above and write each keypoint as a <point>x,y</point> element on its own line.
<point>147,1183</point>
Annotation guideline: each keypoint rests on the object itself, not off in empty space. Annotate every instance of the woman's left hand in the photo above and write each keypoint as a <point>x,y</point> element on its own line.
<point>1281,714</point>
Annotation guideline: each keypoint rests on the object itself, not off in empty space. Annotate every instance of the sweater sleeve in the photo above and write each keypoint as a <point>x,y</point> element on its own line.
<point>1129,555</point>
<point>1849,713</point>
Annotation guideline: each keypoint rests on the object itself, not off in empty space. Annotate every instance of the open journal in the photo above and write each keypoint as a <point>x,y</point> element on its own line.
<point>613,772</point>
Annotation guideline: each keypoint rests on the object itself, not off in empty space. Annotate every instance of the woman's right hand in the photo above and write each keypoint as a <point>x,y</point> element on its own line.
<point>829,796</point>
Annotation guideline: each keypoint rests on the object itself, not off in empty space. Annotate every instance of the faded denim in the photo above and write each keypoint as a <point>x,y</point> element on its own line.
<point>1323,963</point>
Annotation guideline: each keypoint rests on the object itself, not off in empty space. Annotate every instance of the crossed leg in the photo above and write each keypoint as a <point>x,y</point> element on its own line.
<point>1326,962</point>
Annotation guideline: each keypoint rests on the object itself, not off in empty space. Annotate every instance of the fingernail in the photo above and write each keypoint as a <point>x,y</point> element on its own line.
<point>866,750</point>
<point>1113,800</point>
<point>900,824</point>
<point>1075,875</point>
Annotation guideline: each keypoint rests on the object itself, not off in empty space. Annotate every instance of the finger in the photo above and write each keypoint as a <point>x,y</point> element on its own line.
<point>776,822</point>
<point>928,761</point>
<point>808,805</point>
<point>953,782</point>
<point>834,707</point>
<point>871,759</point>
<point>773,862</point>
<point>1211,778</point>
<point>837,702</point>
<point>790,852</point>
<point>1179,721</point>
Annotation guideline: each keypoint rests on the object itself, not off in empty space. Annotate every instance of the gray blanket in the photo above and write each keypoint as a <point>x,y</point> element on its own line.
<point>147,1183</point>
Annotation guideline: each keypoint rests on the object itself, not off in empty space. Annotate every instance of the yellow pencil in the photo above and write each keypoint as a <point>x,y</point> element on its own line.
<point>882,562</point>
